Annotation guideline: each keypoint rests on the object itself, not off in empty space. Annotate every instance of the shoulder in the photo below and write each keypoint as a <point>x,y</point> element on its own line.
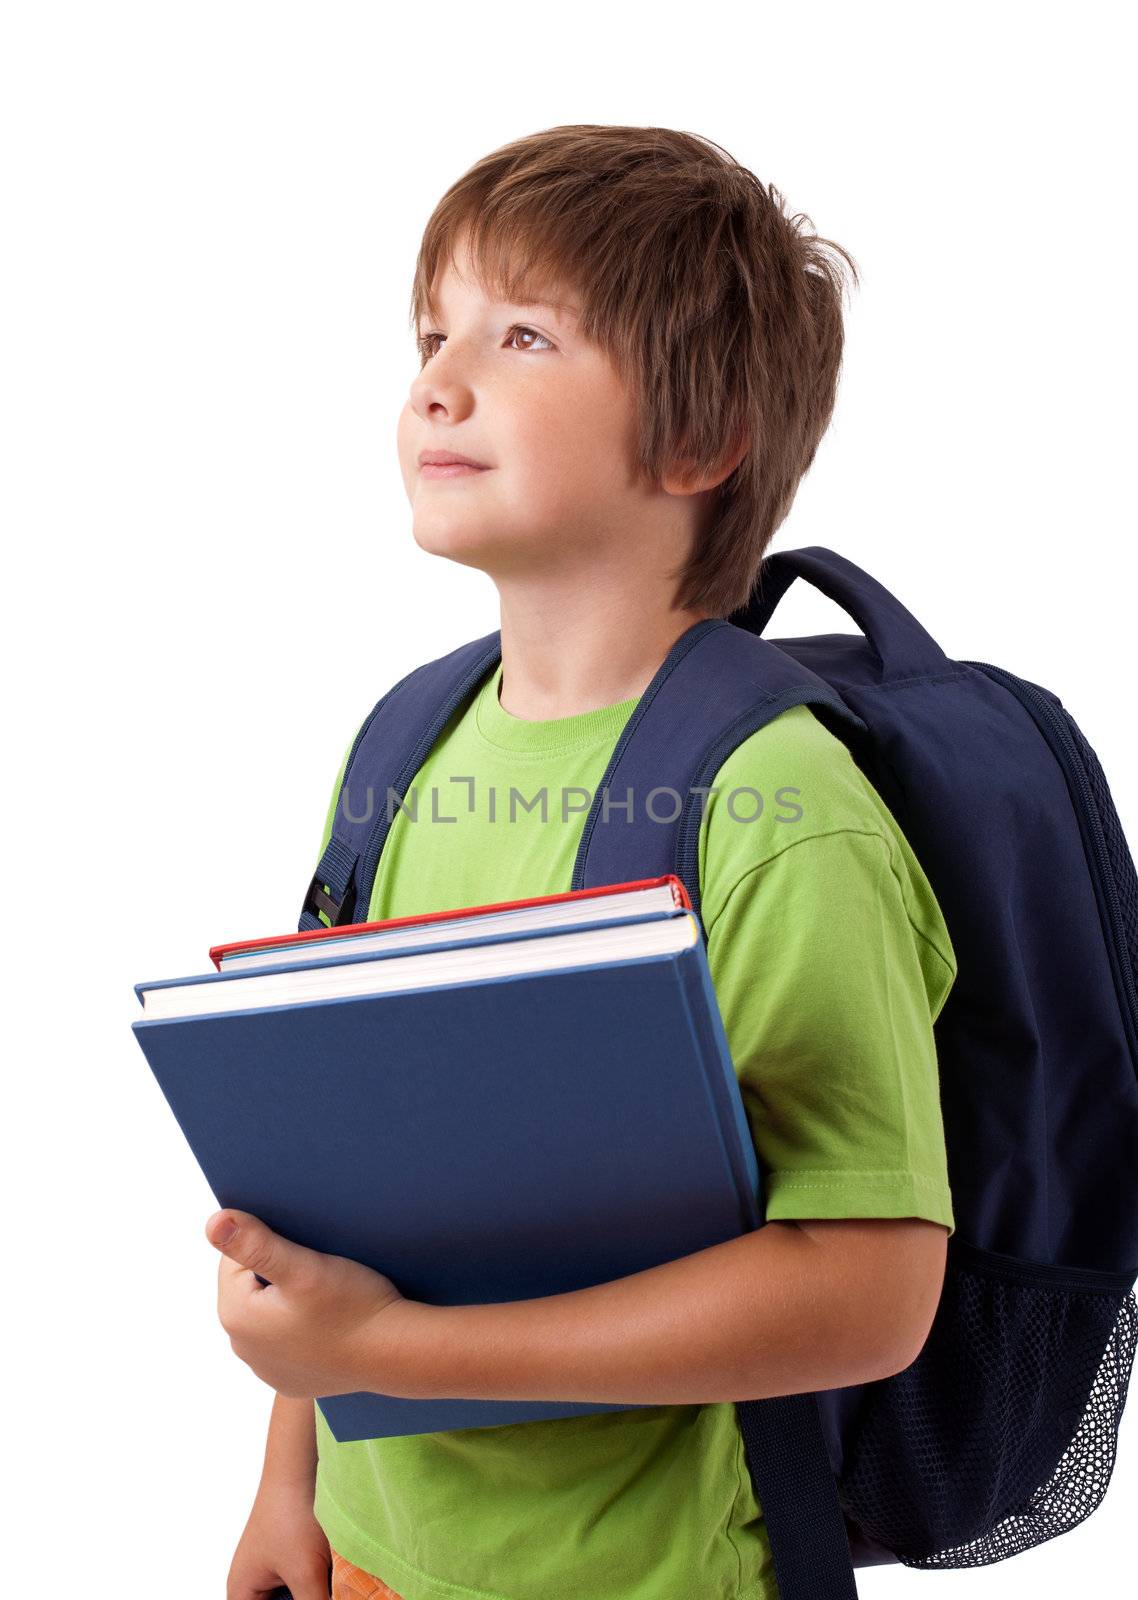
<point>790,781</point>
<point>792,793</point>
<point>796,761</point>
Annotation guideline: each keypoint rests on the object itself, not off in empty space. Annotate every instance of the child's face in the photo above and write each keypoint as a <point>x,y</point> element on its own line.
<point>518,388</point>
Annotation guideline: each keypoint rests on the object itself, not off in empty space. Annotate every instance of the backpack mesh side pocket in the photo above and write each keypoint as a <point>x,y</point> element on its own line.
<point>1002,1433</point>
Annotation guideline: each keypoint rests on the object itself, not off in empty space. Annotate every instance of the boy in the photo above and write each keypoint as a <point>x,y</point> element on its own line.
<point>628,355</point>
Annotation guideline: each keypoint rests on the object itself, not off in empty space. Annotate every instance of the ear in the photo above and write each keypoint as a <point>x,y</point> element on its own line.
<point>685,478</point>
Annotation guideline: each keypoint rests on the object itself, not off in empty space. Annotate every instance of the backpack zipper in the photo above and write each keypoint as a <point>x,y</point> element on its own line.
<point>1052,715</point>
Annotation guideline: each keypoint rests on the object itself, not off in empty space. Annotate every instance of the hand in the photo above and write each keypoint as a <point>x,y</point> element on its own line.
<point>318,1327</point>
<point>282,1544</point>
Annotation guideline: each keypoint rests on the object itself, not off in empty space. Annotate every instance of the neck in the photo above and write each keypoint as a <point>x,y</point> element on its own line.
<point>568,649</point>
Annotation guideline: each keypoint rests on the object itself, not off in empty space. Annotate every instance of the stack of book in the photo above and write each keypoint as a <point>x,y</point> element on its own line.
<point>485,1104</point>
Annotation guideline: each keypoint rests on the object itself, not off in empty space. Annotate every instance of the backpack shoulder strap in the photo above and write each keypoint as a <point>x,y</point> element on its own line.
<point>388,751</point>
<point>717,685</point>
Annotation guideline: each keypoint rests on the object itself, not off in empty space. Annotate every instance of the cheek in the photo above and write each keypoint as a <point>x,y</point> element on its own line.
<point>602,421</point>
<point>569,440</point>
<point>405,446</point>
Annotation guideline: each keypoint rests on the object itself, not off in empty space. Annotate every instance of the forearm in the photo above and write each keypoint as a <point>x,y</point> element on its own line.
<point>290,1449</point>
<point>769,1313</point>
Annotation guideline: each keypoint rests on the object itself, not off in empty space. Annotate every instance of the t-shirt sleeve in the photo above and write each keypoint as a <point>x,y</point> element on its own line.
<point>829,993</point>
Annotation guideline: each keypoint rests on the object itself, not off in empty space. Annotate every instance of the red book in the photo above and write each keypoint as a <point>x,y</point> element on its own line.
<point>295,942</point>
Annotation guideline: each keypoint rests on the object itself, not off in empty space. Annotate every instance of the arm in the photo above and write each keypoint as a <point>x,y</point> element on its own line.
<point>792,1307</point>
<point>290,1449</point>
<point>283,1545</point>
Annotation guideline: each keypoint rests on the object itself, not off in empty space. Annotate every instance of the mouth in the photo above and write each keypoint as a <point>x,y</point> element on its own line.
<point>450,469</point>
<point>447,464</point>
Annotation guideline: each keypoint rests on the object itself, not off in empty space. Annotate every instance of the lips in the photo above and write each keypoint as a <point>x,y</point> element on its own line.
<point>449,458</point>
<point>450,469</point>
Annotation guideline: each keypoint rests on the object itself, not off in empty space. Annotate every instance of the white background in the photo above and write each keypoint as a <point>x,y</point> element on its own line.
<point>211,216</point>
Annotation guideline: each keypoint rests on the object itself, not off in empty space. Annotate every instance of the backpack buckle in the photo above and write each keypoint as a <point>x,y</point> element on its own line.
<point>318,900</point>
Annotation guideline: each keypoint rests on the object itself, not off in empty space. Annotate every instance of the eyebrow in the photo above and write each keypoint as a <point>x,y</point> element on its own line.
<point>563,307</point>
<point>548,305</point>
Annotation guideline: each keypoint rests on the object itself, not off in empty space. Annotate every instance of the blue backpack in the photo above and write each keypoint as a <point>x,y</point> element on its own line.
<point>1002,1433</point>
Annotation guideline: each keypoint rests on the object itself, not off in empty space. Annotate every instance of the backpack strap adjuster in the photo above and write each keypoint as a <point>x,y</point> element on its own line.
<point>331,888</point>
<point>317,900</point>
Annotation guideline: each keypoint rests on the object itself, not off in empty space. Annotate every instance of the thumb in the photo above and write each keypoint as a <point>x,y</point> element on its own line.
<point>250,1242</point>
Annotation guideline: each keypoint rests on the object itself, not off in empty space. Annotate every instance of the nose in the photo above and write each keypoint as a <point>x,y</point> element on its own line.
<point>442,388</point>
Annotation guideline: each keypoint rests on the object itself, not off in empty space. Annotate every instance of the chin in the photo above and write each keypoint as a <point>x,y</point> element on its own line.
<point>444,536</point>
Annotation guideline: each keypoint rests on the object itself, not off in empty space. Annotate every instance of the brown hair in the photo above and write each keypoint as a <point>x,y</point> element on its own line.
<point>723,317</point>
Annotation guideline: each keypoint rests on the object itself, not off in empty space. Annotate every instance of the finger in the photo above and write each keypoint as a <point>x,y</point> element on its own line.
<point>235,1286</point>
<point>230,1297</point>
<point>314,1584</point>
<point>246,1240</point>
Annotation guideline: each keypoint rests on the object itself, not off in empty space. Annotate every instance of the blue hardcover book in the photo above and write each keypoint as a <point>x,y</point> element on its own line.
<point>511,1117</point>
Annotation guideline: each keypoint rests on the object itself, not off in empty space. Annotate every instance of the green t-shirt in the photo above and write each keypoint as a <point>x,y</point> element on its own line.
<point>830,961</point>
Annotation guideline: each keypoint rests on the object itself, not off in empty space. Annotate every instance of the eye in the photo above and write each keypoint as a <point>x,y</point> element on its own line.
<point>519,328</point>
<point>428,344</point>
